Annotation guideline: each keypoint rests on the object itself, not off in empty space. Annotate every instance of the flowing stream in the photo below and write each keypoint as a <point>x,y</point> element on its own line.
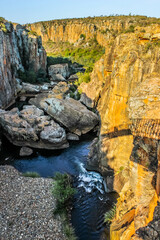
<point>91,200</point>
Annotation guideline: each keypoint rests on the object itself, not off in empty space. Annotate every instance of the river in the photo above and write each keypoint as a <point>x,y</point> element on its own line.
<point>91,200</point>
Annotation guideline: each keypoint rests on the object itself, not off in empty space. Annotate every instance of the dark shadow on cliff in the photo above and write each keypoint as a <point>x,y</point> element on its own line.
<point>117,133</point>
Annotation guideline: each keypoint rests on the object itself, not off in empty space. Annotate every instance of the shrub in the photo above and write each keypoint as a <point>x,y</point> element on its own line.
<point>57,60</point>
<point>31,174</point>
<point>83,36</point>
<point>41,76</point>
<point>105,31</point>
<point>62,191</point>
<point>33,33</point>
<point>108,217</point>
<point>32,77</point>
<point>147,47</point>
<point>2,20</point>
<point>130,29</point>
<point>82,77</point>
<point>69,232</point>
<point>3,27</point>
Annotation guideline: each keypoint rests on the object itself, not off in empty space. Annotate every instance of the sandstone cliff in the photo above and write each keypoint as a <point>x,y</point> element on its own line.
<point>125,86</point>
<point>19,50</point>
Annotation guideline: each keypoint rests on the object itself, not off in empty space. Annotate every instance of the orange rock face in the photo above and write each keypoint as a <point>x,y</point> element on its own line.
<point>125,86</point>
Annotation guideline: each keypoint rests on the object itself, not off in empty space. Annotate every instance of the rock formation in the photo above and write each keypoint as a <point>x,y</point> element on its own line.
<point>31,128</point>
<point>71,114</point>
<point>19,50</point>
<point>125,87</point>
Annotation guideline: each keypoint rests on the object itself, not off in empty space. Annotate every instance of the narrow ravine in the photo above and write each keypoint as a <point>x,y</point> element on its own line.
<point>91,200</point>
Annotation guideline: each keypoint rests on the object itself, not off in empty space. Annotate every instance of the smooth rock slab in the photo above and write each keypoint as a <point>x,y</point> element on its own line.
<point>71,114</point>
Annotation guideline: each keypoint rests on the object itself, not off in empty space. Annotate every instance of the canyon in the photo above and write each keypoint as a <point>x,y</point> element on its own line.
<point>125,89</point>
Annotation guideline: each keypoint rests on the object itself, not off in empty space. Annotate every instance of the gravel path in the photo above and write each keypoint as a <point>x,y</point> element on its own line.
<point>26,208</point>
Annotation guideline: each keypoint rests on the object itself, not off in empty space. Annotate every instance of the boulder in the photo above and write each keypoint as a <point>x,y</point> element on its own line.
<point>71,114</point>
<point>73,77</point>
<point>31,128</point>
<point>53,133</point>
<point>25,151</point>
<point>32,88</point>
<point>57,78</point>
<point>60,90</point>
<point>15,127</point>
<point>72,137</point>
<point>86,101</point>
<point>60,70</point>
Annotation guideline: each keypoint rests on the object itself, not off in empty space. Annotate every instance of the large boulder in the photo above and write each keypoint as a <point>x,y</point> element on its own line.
<point>59,91</point>
<point>59,72</point>
<point>30,127</point>
<point>32,88</point>
<point>71,114</point>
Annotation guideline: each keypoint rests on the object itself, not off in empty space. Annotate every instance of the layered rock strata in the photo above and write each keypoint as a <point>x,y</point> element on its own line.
<point>125,88</point>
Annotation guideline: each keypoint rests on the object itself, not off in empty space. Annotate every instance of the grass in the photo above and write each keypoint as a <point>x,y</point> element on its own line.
<point>63,193</point>
<point>31,174</point>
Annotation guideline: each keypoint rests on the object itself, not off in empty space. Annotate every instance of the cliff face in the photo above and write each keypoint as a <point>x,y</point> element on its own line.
<point>127,83</point>
<point>18,51</point>
<point>125,86</point>
<point>71,29</point>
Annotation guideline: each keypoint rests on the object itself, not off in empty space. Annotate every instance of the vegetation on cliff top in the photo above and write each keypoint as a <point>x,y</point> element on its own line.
<point>138,19</point>
<point>2,24</point>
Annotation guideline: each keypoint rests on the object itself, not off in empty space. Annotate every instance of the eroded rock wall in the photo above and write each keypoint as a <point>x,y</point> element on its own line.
<point>126,83</point>
<point>70,30</point>
<point>18,51</point>
<point>125,87</point>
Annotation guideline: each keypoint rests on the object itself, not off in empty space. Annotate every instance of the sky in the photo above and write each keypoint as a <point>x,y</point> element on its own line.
<point>29,11</point>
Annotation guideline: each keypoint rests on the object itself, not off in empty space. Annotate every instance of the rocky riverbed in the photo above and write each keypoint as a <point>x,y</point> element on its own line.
<point>27,208</point>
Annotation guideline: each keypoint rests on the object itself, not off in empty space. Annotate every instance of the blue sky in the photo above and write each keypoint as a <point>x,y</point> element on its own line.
<point>28,11</point>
